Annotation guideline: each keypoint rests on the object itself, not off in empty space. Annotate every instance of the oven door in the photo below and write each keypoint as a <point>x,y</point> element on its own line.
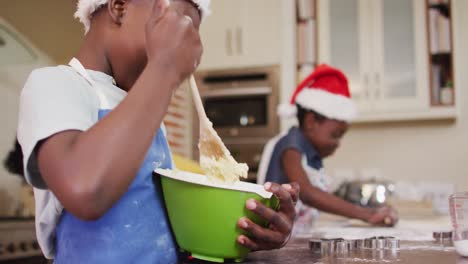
<point>248,111</point>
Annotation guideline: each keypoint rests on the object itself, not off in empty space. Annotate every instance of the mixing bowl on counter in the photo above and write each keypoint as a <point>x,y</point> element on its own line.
<point>204,215</point>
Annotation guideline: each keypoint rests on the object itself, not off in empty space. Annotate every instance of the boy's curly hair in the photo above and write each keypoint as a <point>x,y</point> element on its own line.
<point>14,161</point>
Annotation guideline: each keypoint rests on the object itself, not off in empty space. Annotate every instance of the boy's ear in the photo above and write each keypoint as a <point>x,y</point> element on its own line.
<point>117,9</point>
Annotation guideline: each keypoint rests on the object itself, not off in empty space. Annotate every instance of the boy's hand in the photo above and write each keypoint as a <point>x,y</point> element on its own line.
<point>172,40</point>
<point>281,221</point>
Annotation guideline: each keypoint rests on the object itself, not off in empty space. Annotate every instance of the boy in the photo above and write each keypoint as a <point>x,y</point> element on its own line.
<point>91,137</point>
<point>323,108</point>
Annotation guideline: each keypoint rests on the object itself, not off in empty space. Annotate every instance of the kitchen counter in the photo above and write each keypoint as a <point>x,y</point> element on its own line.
<point>297,251</point>
<point>415,233</point>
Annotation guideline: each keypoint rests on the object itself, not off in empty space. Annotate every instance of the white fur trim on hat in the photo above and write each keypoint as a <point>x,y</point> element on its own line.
<point>333,106</point>
<point>286,110</point>
<point>86,8</point>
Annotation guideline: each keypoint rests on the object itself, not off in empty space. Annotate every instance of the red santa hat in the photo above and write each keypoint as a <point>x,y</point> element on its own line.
<point>324,91</point>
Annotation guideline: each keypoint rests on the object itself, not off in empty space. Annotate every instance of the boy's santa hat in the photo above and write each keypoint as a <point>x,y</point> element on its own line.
<point>86,8</point>
<point>324,91</point>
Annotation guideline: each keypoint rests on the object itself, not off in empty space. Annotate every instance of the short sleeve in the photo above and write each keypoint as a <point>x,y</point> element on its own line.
<point>53,100</point>
<point>290,141</point>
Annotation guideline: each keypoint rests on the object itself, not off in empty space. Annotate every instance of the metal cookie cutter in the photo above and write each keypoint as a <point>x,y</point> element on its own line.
<point>382,242</point>
<point>391,243</point>
<point>371,243</point>
<point>359,243</point>
<point>329,246</point>
<point>443,238</point>
<point>341,247</point>
<point>315,245</point>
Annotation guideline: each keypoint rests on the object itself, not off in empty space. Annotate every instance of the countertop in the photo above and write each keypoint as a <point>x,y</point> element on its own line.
<point>297,251</point>
<point>417,251</point>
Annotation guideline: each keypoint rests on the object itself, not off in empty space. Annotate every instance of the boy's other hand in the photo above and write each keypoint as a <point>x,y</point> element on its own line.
<point>173,43</point>
<point>281,221</point>
<point>384,216</point>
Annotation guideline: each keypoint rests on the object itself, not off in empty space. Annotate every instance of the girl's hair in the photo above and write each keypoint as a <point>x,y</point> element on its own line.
<point>301,113</point>
<point>14,161</point>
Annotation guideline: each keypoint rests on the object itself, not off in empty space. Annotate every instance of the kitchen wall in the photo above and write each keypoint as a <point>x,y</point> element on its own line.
<point>49,24</point>
<point>416,151</point>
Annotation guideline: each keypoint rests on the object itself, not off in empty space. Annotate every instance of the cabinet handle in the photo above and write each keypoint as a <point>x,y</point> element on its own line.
<point>378,87</point>
<point>239,41</point>
<point>366,86</point>
<point>229,42</point>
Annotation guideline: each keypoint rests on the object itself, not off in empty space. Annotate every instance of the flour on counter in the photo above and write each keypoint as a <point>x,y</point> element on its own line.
<point>410,230</point>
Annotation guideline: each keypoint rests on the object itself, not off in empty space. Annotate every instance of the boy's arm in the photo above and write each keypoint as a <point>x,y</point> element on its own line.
<point>89,171</point>
<point>323,201</point>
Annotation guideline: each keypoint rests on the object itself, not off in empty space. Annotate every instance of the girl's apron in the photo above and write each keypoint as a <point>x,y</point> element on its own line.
<point>135,229</point>
<point>305,215</point>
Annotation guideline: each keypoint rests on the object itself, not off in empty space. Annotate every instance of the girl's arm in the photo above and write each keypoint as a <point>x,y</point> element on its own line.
<point>323,201</point>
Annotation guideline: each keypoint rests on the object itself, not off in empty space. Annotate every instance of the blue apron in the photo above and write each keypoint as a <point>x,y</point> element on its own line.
<point>134,230</point>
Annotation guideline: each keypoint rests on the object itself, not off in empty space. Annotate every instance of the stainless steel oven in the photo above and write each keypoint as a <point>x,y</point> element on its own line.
<point>241,104</point>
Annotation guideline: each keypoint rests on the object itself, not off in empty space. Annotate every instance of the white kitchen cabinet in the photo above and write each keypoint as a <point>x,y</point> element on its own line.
<point>381,45</point>
<point>242,33</point>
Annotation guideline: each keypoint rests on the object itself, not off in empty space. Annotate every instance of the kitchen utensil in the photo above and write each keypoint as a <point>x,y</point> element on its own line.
<point>215,158</point>
<point>210,144</point>
<point>443,238</point>
<point>458,204</point>
<point>392,243</point>
<point>367,193</point>
<point>203,214</point>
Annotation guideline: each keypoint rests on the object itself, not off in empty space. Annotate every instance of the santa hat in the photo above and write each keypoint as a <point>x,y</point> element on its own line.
<point>86,8</point>
<point>324,91</point>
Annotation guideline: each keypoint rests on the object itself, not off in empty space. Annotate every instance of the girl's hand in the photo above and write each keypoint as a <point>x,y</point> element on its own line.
<point>281,221</point>
<point>384,216</point>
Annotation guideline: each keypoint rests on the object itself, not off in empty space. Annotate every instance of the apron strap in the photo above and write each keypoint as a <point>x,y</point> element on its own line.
<point>78,67</point>
<point>266,158</point>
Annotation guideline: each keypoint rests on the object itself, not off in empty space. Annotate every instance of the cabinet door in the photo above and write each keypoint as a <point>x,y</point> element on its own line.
<point>217,34</point>
<point>344,44</point>
<point>400,60</point>
<point>258,38</point>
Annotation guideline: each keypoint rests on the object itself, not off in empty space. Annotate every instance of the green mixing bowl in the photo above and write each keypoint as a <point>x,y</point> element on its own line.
<point>204,215</point>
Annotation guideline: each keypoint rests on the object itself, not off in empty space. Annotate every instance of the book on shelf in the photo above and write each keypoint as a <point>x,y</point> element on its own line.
<point>436,72</point>
<point>439,31</point>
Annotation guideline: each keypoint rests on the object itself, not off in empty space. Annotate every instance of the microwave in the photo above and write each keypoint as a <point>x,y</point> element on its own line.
<point>241,103</point>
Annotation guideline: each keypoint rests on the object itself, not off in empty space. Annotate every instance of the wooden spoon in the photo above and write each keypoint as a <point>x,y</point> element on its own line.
<point>211,146</point>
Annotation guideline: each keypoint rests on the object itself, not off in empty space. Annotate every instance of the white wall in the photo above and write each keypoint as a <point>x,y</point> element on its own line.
<point>49,24</point>
<point>42,22</point>
<point>417,151</point>
<point>9,184</point>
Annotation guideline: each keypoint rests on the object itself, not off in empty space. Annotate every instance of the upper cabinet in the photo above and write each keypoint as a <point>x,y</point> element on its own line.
<point>242,33</point>
<point>382,46</point>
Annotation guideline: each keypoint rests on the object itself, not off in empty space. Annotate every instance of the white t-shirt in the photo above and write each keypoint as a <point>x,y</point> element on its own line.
<point>56,99</point>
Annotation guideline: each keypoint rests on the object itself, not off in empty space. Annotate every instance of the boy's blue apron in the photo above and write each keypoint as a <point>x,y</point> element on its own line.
<point>135,229</point>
